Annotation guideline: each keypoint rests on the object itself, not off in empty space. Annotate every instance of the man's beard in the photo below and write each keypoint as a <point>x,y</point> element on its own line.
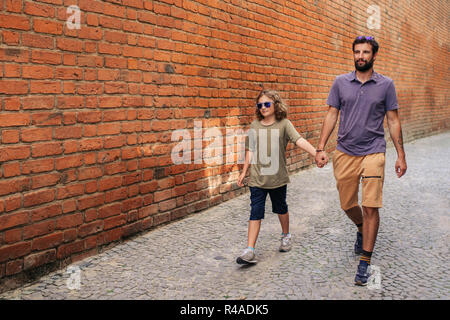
<point>365,66</point>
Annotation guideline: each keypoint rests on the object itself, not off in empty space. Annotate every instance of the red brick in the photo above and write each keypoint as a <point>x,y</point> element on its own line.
<point>33,135</point>
<point>45,86</point>
<point>13,202</point>
<point>91,201</point>
<point>46,57</point>
<point>13,220</point>
<point>37,9</point>
<point>13,235</point>
<point>90,228</point>
<point>37,72</point>
<point>13,267</point>
<point>48,241</point>
<point>38,102</point>
<point>47,26</point>
<point>115,221</point>
<point>130,204</point>
<point>13,87</point>
<point>69,221</point>
<point>36,166</point>
<point>69,162</point>
<point>67,44</point>
<point>13,5</point>
<point>38,259</point>
<point>46,149</point>
<point>70,248</point>
<point>14,185</point>
<point>14,251</point>
<point>38,229</point>
<point>14,22</point>
<point>38,197</point>
<point>10,136</point>
<point>49,211</point>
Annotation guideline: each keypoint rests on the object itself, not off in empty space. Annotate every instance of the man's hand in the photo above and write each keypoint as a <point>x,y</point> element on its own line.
<point>400,166</point>
<point>321,159</point>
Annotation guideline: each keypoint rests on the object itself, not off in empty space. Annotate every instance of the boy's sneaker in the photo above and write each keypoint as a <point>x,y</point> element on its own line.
<point>362,275</point>
<point>286,242</point>
<point>358,243</point>
<point>247,257</point>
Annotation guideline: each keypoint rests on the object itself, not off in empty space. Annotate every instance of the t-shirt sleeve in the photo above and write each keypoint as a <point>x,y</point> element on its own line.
<point>333,97</point>
<point>391,102</point>
<point>291,132</point>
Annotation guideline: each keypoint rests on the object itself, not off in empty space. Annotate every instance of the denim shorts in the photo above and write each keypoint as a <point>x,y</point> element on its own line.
<point>258,201</point>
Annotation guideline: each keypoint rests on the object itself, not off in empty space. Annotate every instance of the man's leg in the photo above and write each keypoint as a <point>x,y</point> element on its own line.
<point>355,214</point>
<point>372,191</point>
<point>371,222</point>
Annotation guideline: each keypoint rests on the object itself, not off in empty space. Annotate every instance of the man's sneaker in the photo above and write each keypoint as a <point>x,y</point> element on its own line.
<point>247,257</point>
<point>362,275</point>
<point>286,242</point>
<point>358,243</point>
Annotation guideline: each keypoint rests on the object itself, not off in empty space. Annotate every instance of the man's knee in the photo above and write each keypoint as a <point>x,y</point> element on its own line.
<point>370,212</point>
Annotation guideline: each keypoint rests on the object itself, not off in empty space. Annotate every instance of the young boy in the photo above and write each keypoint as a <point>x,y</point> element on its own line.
<point>266,156</point>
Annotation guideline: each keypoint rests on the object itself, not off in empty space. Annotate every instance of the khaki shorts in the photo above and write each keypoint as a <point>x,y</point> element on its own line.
<point>349,170</point>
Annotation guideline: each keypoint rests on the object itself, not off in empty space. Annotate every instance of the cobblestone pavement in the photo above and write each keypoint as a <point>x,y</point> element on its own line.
<point>194,258</point>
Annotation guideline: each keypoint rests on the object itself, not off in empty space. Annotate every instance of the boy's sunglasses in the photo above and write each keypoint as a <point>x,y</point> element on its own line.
<point>265,104</point>
<point>365,37</point>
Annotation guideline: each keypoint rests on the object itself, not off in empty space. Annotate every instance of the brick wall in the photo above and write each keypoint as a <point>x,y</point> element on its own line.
<point>87,113</point>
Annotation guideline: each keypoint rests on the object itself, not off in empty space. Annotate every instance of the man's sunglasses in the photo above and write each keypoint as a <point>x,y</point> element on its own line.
<point>364,37</point>
<point>265,104</point>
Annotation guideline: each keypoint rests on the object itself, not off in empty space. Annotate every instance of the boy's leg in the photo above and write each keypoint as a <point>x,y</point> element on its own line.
<point>253,231</point>
<point>279,206</point>
<point>284,221</point>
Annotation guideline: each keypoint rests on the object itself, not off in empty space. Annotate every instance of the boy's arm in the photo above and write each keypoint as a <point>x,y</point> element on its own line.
<point>306,146</point>
<point>247,161</point>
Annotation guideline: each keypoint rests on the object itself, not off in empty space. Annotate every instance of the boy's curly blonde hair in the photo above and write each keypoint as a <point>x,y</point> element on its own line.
<point>280,107</point>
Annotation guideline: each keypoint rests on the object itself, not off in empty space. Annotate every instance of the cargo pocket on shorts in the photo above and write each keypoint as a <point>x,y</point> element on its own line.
<point>372,181</point>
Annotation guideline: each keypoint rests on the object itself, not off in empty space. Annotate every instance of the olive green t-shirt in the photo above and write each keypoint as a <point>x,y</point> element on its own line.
<point>268,168</point>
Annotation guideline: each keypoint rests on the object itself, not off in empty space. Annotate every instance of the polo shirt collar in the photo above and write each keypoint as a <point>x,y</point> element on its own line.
<point>352,76</point>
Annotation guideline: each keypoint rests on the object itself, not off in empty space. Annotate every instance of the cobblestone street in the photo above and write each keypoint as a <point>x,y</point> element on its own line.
<point>194,258</point>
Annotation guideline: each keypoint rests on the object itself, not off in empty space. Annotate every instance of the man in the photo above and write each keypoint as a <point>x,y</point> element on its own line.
<point>363,98</point>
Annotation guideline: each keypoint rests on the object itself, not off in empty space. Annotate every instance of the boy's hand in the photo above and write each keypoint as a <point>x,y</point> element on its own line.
<point>240,181</point>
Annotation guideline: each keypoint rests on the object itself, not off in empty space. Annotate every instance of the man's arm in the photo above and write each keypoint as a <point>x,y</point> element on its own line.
<point>327,128</point>
<point>395,130</point>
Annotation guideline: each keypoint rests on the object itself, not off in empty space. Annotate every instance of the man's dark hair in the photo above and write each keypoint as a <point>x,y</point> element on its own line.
<point>364,39</point>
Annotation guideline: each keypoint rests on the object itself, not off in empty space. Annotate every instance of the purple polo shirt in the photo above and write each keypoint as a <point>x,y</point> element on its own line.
<point>362,109</point>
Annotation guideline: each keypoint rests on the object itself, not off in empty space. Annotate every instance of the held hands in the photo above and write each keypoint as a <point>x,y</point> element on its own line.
<point>321,159</point>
